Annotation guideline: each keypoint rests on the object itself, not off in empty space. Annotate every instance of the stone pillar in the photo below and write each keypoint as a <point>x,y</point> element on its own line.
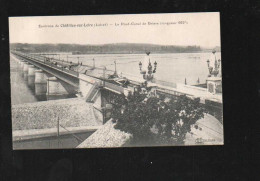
<point>22,64</point>
<point>31,70</point>
<point>18,60</point>
<point>31,80</point>
<point>25,67</point>
<point>54,87</point>
<point>40,77</point>
<point>40,89</point>
<point>214,85</point>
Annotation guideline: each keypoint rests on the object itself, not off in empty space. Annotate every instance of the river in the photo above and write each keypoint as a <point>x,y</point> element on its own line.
<point>174,67</point>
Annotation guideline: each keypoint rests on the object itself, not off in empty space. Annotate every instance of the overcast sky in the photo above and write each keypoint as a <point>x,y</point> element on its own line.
<point>201,29</point>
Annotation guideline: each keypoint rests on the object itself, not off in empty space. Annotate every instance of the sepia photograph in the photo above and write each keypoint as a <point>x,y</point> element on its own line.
<point>109,81</point>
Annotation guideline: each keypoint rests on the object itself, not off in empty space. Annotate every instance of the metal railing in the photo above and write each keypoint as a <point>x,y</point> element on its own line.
<point>113,87</point>
<point>41,59</point>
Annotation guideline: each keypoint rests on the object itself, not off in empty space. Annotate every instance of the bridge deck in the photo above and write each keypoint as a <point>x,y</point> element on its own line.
<point>71,77</point>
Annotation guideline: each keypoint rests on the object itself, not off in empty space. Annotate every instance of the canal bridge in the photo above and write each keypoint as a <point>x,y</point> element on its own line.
<point>69,72</point>
<point>93,83</point>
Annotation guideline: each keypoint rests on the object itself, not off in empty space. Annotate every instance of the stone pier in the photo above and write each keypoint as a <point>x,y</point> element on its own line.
<point>31,80</point>
<point>31,70</point>
<point>25,67</point>
<point>22,64</point>
<point>54,87</point>
<point>40,89</point>
<point>40,77</point>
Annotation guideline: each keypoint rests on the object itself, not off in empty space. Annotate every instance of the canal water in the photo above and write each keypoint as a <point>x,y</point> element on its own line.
<point>24,90</point>
<point>171,67</point>
<point>52,142</point>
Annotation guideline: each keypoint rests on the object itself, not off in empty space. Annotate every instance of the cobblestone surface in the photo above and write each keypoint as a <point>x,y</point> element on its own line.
<point>106,136</point>
<point>73,112</point>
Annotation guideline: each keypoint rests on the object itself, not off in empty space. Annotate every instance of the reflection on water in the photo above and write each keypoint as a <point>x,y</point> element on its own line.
<point>24,90</point>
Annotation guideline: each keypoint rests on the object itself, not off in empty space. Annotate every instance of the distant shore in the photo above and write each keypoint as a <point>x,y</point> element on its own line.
<point>134,53</point>
<point>138,53</point>
<point>114,48</point>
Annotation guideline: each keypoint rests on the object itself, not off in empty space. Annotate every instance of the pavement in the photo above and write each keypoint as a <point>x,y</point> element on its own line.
<point>106,137</point>
<point>73,112</point>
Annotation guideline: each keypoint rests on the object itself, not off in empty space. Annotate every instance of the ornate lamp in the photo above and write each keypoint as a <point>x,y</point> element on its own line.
<point>148,75</point>
<point>115,73</point>
<point>140,65</point>
<point>155,66</point>
<point>208,62</point>
<point>214,51</point>
<point>214,72</point>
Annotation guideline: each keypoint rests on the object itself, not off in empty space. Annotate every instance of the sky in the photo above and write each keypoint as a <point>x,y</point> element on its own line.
<point>201,29</point>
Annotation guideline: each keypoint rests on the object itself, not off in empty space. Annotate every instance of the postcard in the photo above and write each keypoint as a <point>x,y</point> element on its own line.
<point>106,81</point>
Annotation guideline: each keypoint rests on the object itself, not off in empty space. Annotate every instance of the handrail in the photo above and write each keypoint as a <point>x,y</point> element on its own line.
<point>48,63</point>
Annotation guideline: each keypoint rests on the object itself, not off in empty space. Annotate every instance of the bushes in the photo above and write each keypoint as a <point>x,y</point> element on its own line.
<point>156,121</point>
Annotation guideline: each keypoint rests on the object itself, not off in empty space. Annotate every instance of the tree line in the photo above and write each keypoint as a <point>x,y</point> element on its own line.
<point>106,48</point>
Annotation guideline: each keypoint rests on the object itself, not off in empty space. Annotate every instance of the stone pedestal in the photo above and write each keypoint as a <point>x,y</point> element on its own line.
<point>40,77</point>
<point>54,87</point>
<point>31,70</point>
<point>214,85</point>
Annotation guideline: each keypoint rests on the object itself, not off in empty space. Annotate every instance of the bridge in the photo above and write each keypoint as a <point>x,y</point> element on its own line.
<point>68,72</point>
<point>88,81</point>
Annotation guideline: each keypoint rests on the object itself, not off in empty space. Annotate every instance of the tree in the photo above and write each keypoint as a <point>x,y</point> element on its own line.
<point>156,120</point>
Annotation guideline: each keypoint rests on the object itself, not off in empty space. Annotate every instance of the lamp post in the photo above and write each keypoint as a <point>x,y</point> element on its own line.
<point>148,75</point>
<point>198,81</point>
<point>115,73</point>
<point>104,75</point>
<point>214,72</point>
<point>104,71</point>
<point>62,65</point>
<point>93,63</point>
<point>78,65</point>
